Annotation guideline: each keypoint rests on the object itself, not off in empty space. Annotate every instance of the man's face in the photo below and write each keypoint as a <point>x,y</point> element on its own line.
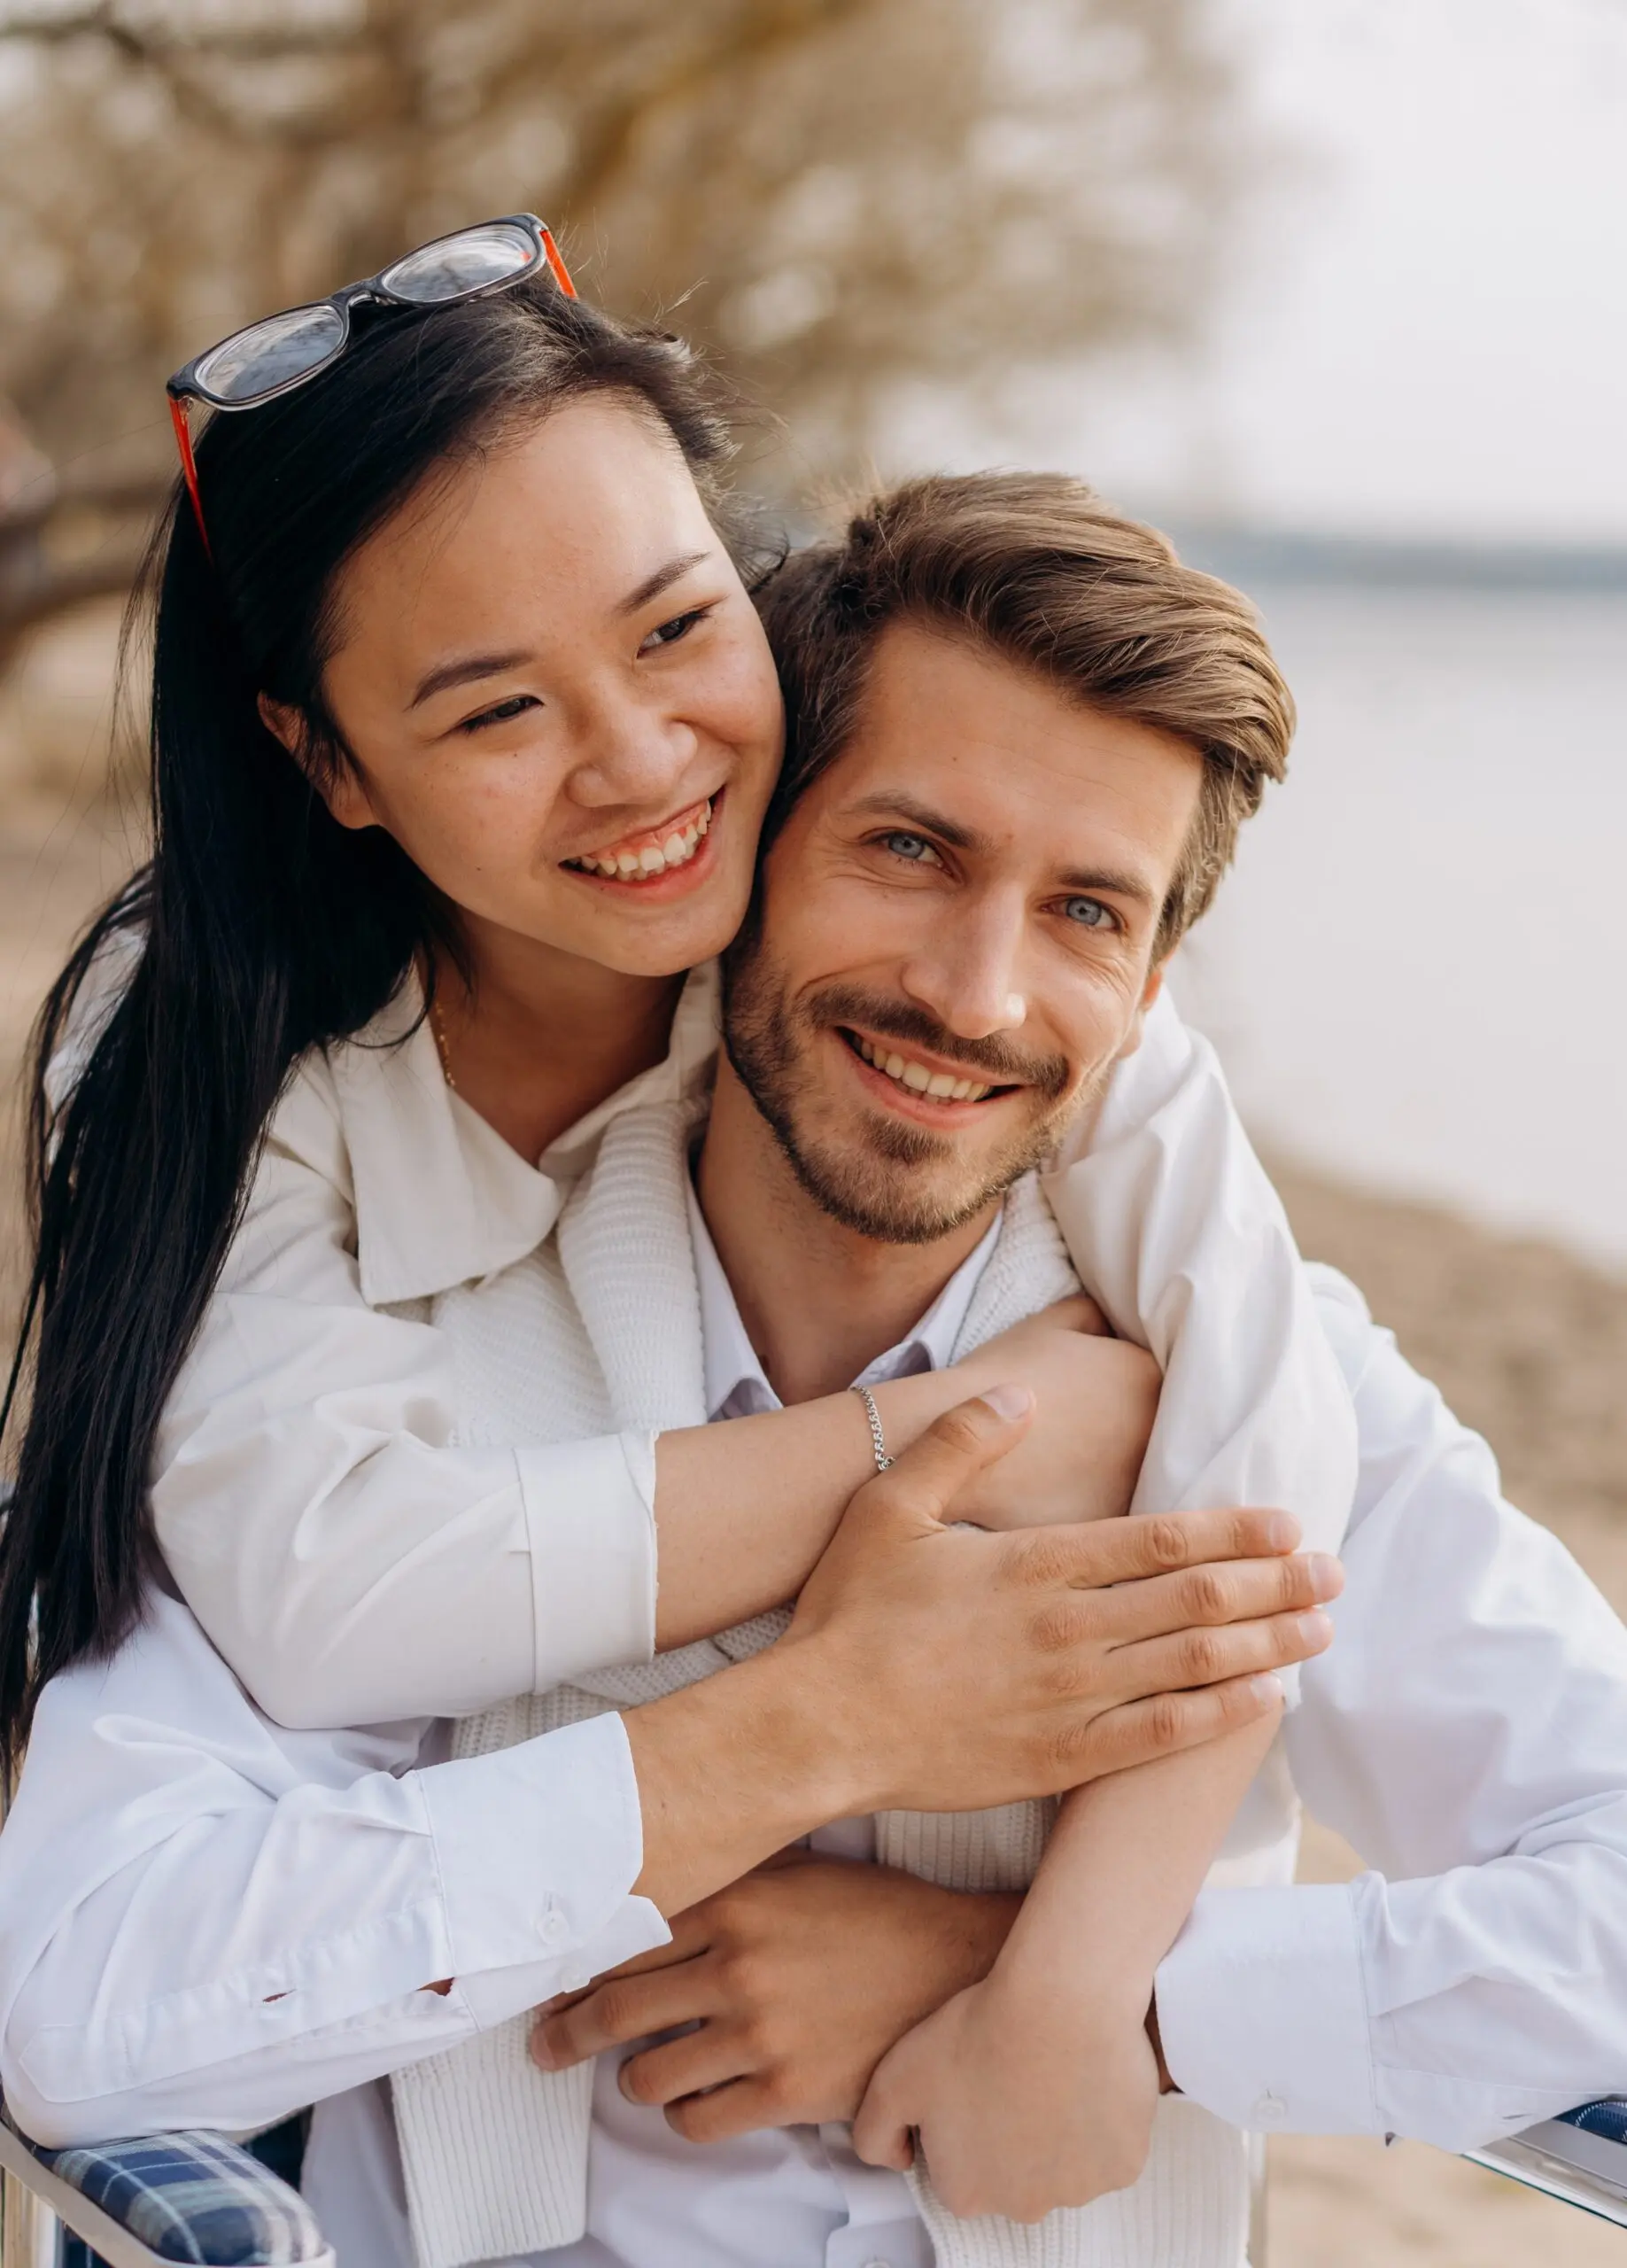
<point>955,937</point>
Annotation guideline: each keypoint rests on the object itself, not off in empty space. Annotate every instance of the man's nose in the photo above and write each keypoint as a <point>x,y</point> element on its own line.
<point>967,972</point>
<point>628,753</point>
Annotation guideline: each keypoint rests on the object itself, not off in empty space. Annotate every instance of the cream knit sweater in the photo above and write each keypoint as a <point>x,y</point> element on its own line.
<point>494,2151</point>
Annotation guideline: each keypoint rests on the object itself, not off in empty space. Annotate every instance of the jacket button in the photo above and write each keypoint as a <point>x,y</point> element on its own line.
<point>1269,2110</point>
<point>552,1926</point>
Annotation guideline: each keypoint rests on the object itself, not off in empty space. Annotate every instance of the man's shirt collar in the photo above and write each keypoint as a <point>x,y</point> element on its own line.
<point>737,1386</point>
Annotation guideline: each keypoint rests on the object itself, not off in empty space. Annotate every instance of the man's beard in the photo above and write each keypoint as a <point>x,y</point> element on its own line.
<point>879,1179</point>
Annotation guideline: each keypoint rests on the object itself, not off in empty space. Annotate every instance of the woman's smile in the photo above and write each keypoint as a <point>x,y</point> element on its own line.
<point>644,858</point>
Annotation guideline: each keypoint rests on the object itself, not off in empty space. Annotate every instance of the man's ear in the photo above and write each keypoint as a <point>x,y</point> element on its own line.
<point>1143,1007</point>
<point>340,786</point>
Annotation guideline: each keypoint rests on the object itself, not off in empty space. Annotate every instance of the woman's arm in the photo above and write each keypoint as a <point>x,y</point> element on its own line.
<point>743,1511</point>
<point>1035,2088</point>
<point>355,1562</point>
<point>204,1919</point>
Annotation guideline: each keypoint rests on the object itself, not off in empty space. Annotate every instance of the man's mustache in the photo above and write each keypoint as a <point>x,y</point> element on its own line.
<point>992,1060</point>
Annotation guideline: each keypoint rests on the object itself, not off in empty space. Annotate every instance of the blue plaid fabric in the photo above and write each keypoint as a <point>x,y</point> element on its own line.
<point>1607,2117</point>
<point>193,2197</point>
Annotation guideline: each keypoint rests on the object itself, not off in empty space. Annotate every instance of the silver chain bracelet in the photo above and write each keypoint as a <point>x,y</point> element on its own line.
<point>877,1437</point>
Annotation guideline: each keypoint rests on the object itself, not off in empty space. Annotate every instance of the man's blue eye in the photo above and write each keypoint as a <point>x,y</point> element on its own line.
<point>1090,912</point>
<point>909,846</point>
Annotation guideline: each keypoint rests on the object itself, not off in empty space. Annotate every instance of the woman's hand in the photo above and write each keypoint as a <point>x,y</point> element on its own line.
<point>1020,2105</point>
<point>1094,1400</point>
<point>800,1978</point>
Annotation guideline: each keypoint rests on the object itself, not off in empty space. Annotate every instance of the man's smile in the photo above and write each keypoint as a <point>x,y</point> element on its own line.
<point>920,1082</point>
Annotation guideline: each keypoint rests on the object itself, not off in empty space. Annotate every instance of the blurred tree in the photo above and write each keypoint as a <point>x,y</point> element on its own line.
<point>842,195</point>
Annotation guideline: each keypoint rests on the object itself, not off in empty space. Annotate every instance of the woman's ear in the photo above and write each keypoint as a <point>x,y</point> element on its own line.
<point>340,786</point>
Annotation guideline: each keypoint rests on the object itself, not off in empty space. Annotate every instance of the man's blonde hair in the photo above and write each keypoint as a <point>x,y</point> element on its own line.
<point>1036,568</point>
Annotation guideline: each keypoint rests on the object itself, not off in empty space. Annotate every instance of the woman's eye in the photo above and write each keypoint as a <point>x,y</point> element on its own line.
<point>670,633</point>
<point>1089,913</point>
<point>499,712</point>
<point>916,848</point>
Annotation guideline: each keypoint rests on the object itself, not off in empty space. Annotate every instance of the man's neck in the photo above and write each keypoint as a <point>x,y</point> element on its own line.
<point>819,1301</point>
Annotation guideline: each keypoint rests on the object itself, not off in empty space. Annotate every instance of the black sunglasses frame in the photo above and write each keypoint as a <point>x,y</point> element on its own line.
<point>185,386</point>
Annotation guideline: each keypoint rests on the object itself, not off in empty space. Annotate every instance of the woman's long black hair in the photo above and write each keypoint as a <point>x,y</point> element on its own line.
<point>258,928</point>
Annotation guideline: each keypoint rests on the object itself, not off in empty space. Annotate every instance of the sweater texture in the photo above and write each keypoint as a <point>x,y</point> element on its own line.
<point>600,1330</point>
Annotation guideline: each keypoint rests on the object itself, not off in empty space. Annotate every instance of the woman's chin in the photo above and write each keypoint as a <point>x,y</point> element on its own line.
<point>661,941</point>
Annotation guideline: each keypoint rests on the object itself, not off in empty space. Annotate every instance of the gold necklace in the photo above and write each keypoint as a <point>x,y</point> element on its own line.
<point>439,1030</point>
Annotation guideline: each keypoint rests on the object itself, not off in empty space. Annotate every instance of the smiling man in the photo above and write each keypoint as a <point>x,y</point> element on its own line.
<point>956,933</point>
<point>955,938</point>
<point>1016,766</point>
<point>1022,738</point>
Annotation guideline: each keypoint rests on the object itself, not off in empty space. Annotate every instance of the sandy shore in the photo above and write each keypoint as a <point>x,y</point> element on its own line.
<point>1530,1347</point>
<point>1526,1342</point>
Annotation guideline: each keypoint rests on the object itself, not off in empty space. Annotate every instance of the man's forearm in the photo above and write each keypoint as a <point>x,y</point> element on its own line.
<point>731,1770</point>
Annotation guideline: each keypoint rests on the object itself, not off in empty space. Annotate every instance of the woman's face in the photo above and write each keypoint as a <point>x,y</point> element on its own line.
<point>559,697</point>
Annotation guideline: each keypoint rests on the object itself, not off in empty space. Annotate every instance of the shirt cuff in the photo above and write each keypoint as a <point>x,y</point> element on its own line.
<point>590,1518</point>
<point>537,1848</point>
<point>1262,2014</point>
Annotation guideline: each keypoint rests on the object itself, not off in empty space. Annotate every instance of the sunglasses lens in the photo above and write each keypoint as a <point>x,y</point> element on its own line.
<point>267,355</point>
<point>466,262</point>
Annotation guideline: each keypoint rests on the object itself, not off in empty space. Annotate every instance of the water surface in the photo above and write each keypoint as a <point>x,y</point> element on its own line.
<point>1415,973</point>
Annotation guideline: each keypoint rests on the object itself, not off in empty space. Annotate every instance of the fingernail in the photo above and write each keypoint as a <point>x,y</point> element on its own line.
<point>1282,1529</point>
<point>1327,1575</point>
<point>1009,1401</point>
<point>540,2053</point>
<point>1316,1629</point>
<point>1267,1688</point>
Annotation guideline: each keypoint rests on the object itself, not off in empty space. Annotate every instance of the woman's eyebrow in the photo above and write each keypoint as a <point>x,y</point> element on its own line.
<point>464,670</point>
<point>663,579</point>
<point>470,666</point>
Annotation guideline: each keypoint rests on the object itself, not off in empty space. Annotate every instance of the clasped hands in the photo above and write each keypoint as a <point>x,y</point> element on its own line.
<point>815,1988</point>
<point>821,1989</point>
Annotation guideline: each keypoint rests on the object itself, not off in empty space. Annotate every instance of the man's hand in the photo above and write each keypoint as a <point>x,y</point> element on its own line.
<point>800,1977</point>
<point>933,1667</point>
<point>1020,2107</point>
<point>1073,1650</point>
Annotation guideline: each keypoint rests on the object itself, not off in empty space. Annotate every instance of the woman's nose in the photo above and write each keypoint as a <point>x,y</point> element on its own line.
<point>630,755</point>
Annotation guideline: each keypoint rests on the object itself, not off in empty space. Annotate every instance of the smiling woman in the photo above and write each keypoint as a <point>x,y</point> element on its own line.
<point>553,692</point>
<point>469,629</point>
<point>464,726</point>
<point>464,731</point>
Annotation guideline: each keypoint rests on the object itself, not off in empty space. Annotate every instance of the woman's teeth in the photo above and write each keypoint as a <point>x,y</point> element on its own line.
<point>656,853</point>
<point>918,1078</point>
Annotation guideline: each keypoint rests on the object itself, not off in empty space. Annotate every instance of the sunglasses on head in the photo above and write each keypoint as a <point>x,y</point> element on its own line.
<point>282,351</point>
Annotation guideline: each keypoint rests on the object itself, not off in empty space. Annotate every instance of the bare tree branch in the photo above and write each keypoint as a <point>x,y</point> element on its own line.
<point>849,196</point>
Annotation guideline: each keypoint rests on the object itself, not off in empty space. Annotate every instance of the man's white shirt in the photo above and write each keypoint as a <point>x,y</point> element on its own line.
<point>799,2196</point>
<point>208,1919</point>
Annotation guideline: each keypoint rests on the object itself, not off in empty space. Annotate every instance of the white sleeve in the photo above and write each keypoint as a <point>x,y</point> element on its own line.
<point>1176,1230</point>
<point>206,1921</point>
<point>1468,1732</point>
<point>351,1561</point>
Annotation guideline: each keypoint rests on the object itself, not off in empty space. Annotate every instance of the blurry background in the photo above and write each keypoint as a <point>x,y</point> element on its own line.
<point>1337,294</point>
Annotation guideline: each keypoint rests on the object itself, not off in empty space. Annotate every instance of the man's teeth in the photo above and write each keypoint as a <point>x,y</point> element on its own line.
<point>917,1076</point>
<point>651,857</point>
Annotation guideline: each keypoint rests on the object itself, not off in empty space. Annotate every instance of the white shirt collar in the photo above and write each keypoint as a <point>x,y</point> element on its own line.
<point>736,1383</point>
<point>440,1196</point>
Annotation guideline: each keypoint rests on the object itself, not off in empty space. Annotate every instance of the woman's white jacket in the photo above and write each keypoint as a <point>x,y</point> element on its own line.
<point>357,1558</point>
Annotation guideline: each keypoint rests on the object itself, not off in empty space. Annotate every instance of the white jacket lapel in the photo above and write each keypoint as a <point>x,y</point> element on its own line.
<point>623,1244</point>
